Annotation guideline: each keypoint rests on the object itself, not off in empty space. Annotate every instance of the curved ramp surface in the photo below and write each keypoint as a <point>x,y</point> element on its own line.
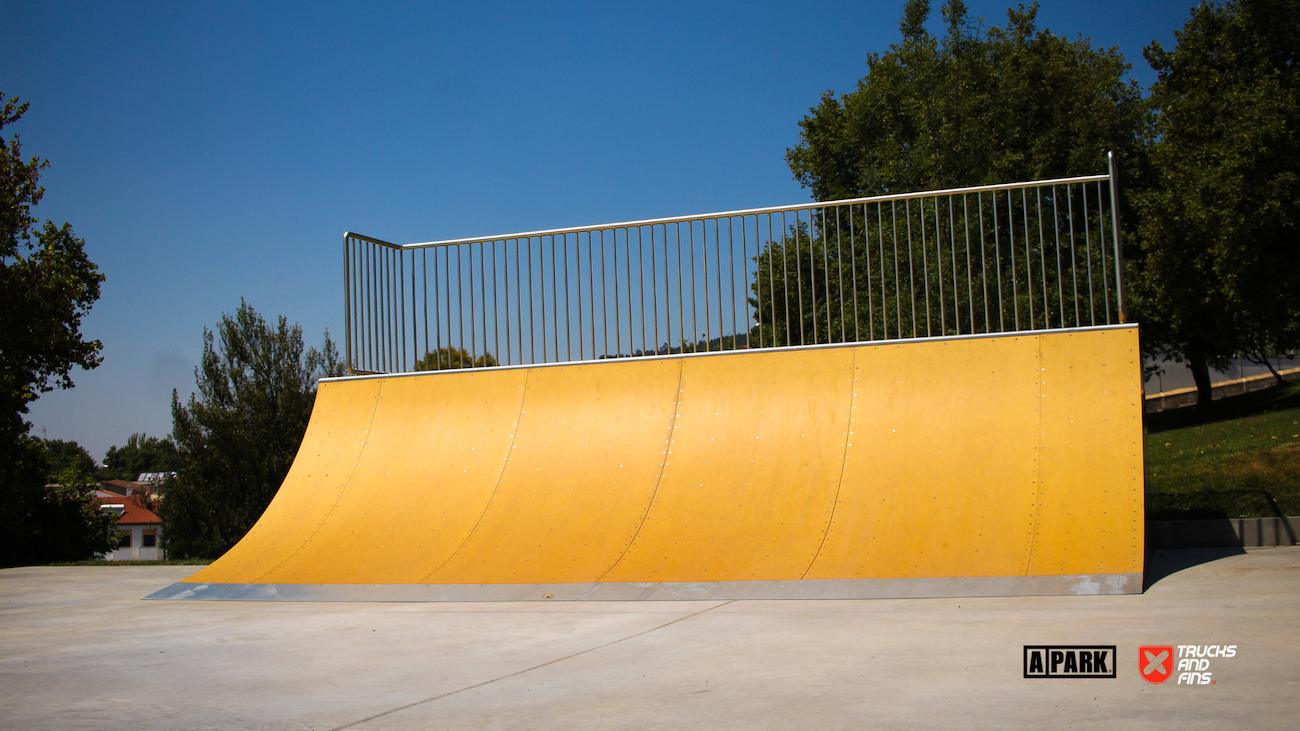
<point>1007,464</point>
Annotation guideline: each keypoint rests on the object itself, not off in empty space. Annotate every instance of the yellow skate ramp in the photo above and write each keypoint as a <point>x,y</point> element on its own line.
<point>998,465</point>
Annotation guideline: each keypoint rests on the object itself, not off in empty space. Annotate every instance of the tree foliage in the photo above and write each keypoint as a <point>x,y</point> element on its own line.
<point>47,284</point>
<point>981,105</point>
<point>448,358</point>
<point>1220,232</point>
<point>238,435</point>
<point>140,454</point>
<point>61,456</point>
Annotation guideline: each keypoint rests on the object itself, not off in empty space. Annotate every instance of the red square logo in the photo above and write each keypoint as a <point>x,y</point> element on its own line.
<point>1156,662</point>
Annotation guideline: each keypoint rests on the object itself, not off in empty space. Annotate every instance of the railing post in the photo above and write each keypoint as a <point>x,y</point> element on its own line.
<point>1114,223</point>
<point>347,302</point>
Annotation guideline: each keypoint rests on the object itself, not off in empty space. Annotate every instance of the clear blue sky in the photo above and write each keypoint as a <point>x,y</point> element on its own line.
<point>213,151</point>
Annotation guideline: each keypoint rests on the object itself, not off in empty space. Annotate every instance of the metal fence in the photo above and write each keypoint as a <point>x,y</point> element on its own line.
<point>988,259</point>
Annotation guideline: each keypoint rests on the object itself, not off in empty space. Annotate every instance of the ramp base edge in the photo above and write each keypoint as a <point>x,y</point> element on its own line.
<point>990,586</point>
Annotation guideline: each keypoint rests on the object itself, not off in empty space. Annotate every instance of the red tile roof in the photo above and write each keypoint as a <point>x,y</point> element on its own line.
<point>133,510</point>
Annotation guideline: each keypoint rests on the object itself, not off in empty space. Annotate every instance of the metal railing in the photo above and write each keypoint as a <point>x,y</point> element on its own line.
<point>988,259</point>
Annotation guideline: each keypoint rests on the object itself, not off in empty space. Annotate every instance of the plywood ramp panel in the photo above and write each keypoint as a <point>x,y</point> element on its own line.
<point>749,483</point>
<point>582,472</point>
<point>995,459</point>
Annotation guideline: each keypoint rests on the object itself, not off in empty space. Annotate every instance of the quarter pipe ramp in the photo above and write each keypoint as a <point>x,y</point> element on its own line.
<point>996,465</point>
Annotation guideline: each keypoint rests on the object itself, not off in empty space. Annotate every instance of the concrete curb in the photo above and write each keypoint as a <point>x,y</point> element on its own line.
<point>1180,397</point>
<point>1222,533</point>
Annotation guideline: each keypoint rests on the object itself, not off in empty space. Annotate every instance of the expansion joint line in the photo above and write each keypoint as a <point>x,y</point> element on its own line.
<point>529,670</point>
<point>663,464</point>
<point>374,413</point>
<point>510,452</point>
<point>844,458</point>
<point>1036,514</point>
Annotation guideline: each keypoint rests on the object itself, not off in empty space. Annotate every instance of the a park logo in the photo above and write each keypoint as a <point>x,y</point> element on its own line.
<point>1069,661</point>
<point>1156,662</point>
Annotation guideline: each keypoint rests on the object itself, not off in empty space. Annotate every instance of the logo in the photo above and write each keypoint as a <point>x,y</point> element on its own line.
<point>1070,661</point>
<point>1155,662</point>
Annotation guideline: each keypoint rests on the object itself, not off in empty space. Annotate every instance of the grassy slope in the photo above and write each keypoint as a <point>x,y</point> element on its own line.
<point>1238,458</point>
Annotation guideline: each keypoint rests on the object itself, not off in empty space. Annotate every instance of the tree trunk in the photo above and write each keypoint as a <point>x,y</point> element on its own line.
<point>1201,374</point>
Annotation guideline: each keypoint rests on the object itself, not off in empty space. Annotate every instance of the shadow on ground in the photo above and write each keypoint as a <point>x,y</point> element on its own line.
<point>1168,561</point>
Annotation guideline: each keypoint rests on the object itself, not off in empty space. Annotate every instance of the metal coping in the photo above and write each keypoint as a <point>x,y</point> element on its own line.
<point>737,351</point>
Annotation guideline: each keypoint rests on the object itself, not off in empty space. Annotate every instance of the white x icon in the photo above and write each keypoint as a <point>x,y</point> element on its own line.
<point>1155,661</point>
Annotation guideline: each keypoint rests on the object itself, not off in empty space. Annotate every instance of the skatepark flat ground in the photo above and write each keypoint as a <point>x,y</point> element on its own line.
<point>80,649</point>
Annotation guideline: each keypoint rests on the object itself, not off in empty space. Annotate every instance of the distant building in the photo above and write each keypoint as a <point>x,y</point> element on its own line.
<point>139,529</point>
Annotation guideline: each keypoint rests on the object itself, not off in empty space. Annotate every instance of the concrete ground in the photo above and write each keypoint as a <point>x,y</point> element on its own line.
<point>79,649</point>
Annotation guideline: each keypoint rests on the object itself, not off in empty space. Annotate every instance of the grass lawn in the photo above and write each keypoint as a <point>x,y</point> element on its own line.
<point>1240,458</point>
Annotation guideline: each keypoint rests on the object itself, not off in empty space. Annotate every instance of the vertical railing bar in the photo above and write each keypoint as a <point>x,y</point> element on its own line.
<point>555,298</point>
<point>1060,274</point>
<point>496,309</point>
<point>704,258</point>
<point>460,303</point>
<point>911,269</point>
<point>604,296</point>
<point>591,292</point>
<point>1011,247</point>
<point>380,310</point>
<point>401,268</point>
<point>568,319</point>
<point>952,257</point>
<point>424,270</point>
<point>473,321</point>
<point>1120,307</point>
<point>853,268</point>
<point>839,271</point>
<point>482,280</point>
<point>731,258</point>
<point>532,322</point>
<point>1043,263</point>
<point>758,280</point>
<point>1087,244</point>
<point>618,295</point>
<point>898,296</point>
<point>1074,264</point>
<point>695,303</point>
<point>347,301</point>
<point>640,280</point>
<point>970,281</point>
<point>388,309</point>
<point>1101,250</point>
<point>785,275</point>
<point>812,274</point>
<point>393,282</point>
<point>627,264</point>
<point>717,274</point>
<point>997,254</point>
<point>654,286</point>
<point>826,281</point>
<point>939,276</point>
<point>1029,260</point>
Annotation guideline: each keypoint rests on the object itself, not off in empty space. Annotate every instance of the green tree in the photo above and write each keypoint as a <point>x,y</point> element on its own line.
<point>239,434</point>
<point>1220,235</point>
<point>140,454</point>
<point>981,105</point>
<point>448,358</point>
<point>47,284</point>
<point>62,456</point>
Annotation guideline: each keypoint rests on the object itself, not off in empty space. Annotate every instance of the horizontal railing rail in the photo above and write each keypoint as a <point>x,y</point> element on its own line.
<point>994,258</point>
